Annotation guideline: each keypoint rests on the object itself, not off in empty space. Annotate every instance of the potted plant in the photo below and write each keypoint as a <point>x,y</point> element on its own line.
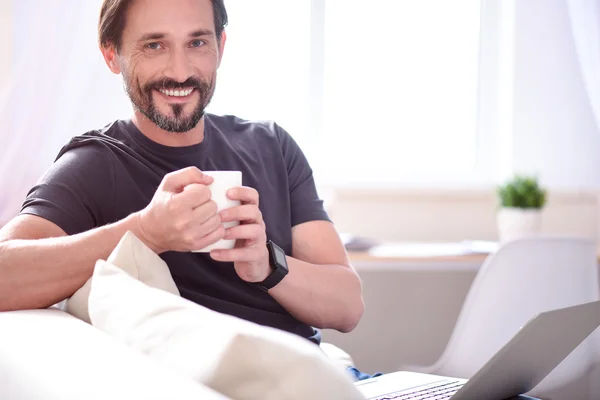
<point>521,201</point>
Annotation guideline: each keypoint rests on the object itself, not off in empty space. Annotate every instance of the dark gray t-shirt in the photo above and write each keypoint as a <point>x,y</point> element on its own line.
<point>103,176</point>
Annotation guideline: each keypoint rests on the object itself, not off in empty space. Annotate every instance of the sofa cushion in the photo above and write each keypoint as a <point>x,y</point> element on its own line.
<point>139,261</point>
<point>48,354</point>
<point>238,358</point>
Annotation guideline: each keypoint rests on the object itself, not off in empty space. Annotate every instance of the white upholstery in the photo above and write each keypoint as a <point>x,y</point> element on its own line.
<point>139,261</point>
<point>524,278</point>
<point>50,355</point>
<point>235,357</point>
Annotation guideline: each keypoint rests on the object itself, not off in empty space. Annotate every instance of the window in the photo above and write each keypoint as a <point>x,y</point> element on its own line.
<point>394,84</point>
<point>265,69</point>
<point>375,92</point>
<point>400,95</point>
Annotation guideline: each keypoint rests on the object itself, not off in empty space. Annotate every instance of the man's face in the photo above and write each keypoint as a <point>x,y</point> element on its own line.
<point>169,58</point>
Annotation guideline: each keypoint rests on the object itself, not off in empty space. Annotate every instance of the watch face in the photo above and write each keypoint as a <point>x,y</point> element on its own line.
<point>278,263</point>
<point>280,258</point>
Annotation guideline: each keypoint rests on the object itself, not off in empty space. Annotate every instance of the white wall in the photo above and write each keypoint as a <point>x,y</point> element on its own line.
<point>442,215</point>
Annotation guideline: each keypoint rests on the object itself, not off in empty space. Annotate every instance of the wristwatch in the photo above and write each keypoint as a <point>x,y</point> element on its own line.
<point>278,264</point>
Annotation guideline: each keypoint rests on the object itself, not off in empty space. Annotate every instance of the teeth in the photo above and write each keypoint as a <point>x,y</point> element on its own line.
<point>177,93</point>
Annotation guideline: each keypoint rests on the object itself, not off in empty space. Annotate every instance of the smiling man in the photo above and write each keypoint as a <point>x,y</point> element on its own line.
<point>145,175</point>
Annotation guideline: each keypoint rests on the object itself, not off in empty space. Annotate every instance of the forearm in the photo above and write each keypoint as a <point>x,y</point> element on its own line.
<point>323,296</point>
<point>38,273</point>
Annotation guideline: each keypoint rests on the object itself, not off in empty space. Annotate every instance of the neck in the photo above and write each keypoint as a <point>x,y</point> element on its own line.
<point>160,136</point>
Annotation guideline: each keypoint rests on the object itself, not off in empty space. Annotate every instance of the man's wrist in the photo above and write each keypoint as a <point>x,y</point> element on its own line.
<point>278,268</point>
<point>267,268</point>
<point>137,227</point>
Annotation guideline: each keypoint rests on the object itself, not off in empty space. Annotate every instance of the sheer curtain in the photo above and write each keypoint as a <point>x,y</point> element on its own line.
<point>585,25</point>
<point>59,88</point>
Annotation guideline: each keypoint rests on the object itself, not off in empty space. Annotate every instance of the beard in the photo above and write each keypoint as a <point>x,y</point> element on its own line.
<point>143,100</point>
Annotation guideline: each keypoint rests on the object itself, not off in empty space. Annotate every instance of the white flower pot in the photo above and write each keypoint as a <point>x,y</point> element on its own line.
<point>515,223</point>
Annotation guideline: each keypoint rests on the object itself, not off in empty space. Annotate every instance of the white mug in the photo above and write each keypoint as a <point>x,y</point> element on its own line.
<point>223,181</point>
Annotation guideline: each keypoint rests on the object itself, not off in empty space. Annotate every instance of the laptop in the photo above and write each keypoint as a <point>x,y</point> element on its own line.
<point>515,369</point>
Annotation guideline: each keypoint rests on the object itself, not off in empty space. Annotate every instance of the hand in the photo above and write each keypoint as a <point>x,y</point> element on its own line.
<point>250,256</point>
<point>181,215</point>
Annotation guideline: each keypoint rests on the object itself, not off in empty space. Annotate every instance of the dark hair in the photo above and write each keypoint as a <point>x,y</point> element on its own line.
<point>113,14</point>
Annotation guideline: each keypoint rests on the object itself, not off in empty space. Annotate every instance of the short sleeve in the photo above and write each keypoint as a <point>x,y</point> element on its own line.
<point>305,202</point>
<point>76,192</point>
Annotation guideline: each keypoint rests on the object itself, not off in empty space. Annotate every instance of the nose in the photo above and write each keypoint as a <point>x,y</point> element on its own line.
<point>178,68</point>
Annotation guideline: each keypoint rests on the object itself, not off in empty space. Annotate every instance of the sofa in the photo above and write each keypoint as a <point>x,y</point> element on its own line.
<point>49,354</point>
<point>127,334</point>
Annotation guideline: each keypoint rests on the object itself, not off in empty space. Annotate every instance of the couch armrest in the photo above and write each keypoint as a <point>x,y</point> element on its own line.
<point>48,354</point>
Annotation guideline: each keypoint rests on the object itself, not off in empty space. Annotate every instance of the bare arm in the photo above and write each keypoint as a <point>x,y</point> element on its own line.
<point>321,289</point>
<point>40,265</point>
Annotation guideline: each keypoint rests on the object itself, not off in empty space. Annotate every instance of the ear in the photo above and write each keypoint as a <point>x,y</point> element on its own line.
<point>222,47</point>
<point>110,57</point>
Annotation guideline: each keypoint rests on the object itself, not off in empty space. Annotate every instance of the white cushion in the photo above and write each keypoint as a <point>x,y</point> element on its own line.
<point>238,358</point>
<point>49,355</point>
<point>139,261</point>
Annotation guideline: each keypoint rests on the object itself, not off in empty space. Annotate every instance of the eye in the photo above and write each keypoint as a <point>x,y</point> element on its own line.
<point>154,46</point>
<point>197,43</point>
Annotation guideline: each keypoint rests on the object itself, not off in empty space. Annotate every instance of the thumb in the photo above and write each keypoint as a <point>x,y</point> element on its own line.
<point>175,181</point>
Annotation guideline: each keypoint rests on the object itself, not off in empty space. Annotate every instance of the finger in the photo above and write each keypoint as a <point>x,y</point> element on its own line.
<point>234,255</point>
<point>245,213</point>
<point>193,229</point>
<point>208,224</point>
<point>177,180</point>
<point>245,194</point>
<point>250,231</point>
<point>193,195</point>
<point>210,238</point>
<point>205,211</point>
<point>196,234</point>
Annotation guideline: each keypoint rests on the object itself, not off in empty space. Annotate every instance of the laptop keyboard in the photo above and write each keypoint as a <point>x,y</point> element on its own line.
<point>437,392</point>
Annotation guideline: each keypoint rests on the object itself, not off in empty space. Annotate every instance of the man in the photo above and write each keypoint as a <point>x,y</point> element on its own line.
<point>144,175</point>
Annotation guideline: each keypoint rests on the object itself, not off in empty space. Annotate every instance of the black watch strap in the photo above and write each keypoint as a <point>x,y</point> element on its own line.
<point>279,267</point>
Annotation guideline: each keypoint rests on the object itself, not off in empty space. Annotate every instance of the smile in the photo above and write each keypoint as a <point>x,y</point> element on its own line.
<point>177,93</point>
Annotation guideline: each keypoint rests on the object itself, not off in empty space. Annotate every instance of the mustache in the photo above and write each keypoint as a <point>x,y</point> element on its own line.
<point>170,84</point>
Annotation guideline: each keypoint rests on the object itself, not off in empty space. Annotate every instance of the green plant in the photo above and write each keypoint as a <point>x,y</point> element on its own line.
<point>522,192</point>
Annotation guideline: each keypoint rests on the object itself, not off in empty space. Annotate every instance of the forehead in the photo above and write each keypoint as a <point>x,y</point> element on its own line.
<point>171,17</point>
